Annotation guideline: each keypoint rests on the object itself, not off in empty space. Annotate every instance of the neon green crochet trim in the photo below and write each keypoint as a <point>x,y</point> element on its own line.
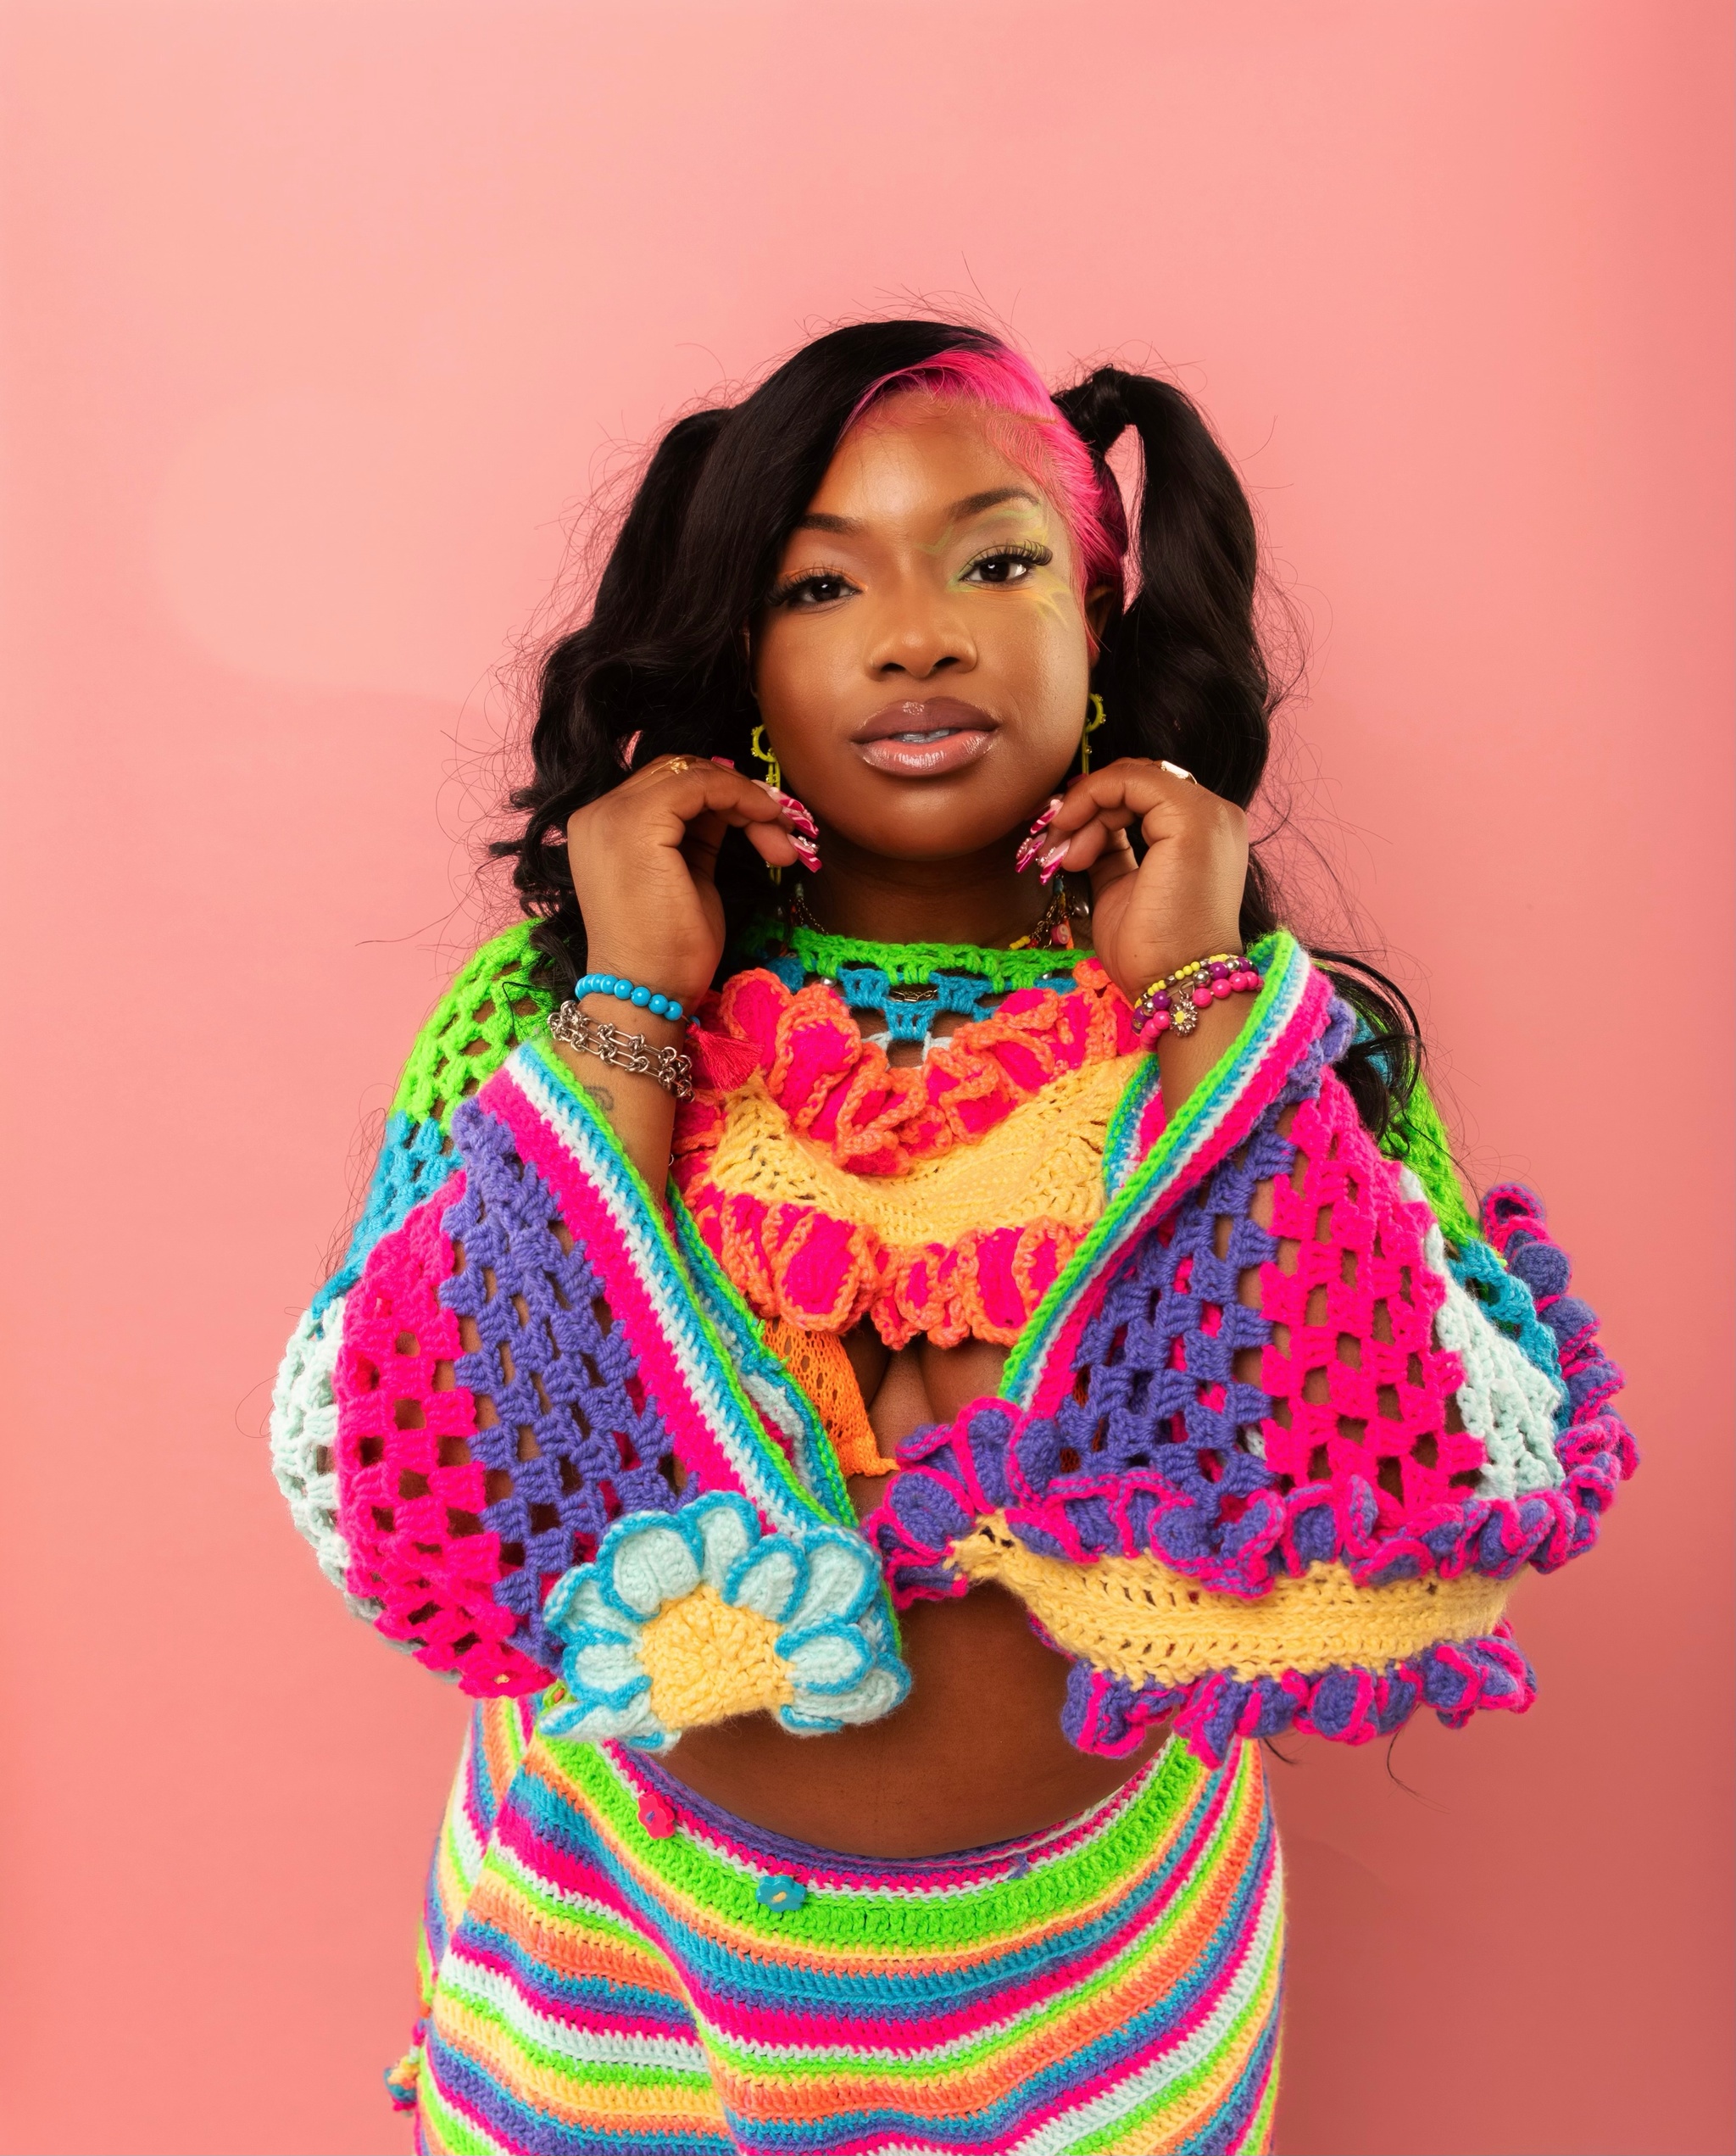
<point>909,965</point>
<point>1418,1136</point>
<point>685,1870</point>
<point>492,1007</point>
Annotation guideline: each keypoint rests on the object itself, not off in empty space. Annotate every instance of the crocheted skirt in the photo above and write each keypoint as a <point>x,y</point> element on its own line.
<point>614,1964</point>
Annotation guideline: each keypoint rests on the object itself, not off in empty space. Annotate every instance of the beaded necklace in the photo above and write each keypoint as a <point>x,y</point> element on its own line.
<point>911,984</point>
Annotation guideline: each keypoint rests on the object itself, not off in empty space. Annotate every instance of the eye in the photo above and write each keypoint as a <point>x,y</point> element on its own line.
<point>818,587</point>
<point>1007,565</point>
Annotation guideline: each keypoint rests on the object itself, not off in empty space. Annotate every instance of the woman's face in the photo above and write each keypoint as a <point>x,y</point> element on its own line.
<point>923,665</point>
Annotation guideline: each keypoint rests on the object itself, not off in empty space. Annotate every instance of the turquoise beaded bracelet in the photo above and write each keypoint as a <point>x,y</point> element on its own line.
<point>626,991</point>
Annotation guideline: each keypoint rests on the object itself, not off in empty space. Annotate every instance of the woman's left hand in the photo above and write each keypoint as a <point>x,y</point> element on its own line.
<point>1184,900</point>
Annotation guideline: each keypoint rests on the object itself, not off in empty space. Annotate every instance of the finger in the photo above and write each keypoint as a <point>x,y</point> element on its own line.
<point>1114,864</point>
<point>1125,792</point>
<point>1101,848</point>
<point>704,835</point>
<point>777,846</point>
<point>690,786</point>
<point>780,848</point>
<point>1103,803</point>
<point>666,799</point>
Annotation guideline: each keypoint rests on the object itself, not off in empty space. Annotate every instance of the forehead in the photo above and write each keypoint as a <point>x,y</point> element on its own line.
<point>915,458</point>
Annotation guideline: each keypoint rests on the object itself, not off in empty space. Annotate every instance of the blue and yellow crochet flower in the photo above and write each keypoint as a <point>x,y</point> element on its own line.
<point>688,1617</point>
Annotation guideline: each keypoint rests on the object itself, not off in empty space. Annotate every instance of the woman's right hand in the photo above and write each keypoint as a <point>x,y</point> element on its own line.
<point>645,858</point>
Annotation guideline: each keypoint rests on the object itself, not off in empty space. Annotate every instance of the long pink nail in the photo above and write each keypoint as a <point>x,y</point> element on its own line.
<point>1051,860</point>
<point>806,852</point>
<point>627,748</point>
<point>1027,850</point>
<point>794,810</point>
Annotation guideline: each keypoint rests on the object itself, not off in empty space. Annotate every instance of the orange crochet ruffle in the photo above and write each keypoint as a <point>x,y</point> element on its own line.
<point>820,1366</point>
<point>980,1168</point>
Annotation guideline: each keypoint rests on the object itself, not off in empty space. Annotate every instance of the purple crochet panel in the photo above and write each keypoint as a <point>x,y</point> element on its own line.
<point>1154,1392</point>
<point>1155,1404</point>
<point>576,1443</point>
<point>1145,1455</point>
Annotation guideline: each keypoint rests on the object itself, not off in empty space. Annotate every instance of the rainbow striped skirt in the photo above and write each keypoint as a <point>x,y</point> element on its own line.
<point>611,1964</point>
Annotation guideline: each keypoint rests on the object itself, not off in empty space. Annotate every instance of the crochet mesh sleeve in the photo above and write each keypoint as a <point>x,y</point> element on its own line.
<point>1304,1444</point>
<point>469,1419</point>
<point>494,1003</point>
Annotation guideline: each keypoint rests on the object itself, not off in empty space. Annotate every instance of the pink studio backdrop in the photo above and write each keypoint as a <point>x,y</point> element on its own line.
<point>320,321</point>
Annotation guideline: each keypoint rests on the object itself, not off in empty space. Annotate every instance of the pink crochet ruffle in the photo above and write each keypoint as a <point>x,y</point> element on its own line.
<point>876,1119</point>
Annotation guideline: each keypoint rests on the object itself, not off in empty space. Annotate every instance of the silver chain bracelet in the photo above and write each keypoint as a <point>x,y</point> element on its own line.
<point>626,1051</point>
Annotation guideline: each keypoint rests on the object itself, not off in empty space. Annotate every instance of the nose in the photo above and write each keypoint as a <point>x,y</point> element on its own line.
<point>919,634</point>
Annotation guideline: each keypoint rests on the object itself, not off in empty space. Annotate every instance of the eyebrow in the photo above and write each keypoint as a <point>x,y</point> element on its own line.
<point>972,506</point>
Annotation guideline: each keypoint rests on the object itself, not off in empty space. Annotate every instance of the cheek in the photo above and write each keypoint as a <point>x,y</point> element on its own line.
<point>799,668</point>
<point>1043,650</point>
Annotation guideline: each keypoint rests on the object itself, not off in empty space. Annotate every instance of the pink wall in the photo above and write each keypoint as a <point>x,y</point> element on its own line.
<point>319,319</point>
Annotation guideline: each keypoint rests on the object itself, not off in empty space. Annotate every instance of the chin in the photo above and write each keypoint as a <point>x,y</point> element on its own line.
<point>943,825</point>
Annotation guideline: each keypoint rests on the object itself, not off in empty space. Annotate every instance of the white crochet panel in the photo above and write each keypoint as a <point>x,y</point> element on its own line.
<point>305,1443</point>
<point>1506,1400</point>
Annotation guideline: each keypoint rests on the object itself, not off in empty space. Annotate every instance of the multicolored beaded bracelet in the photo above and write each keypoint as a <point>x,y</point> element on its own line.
<point>641,999</point>
<point>1178,1000</point>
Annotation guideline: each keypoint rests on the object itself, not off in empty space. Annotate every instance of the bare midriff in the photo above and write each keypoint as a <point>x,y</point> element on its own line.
<point>975,1754</point>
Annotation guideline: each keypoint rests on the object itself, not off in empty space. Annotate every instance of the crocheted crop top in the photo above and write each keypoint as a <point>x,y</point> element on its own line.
<point>544,1425</point>
<point>943,1199</point>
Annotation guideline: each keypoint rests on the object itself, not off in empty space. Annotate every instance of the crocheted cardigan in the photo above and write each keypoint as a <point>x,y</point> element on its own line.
<point>533,1431</point>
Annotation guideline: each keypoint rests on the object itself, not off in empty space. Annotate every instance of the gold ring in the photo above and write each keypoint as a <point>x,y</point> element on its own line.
<point>681,763</point>
<point>1176,771</point>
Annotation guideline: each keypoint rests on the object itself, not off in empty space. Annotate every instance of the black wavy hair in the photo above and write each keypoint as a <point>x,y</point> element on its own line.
<point>1180,668</point>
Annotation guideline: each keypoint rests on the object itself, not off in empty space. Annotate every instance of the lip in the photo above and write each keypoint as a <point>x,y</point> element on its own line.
<point>966,733</point>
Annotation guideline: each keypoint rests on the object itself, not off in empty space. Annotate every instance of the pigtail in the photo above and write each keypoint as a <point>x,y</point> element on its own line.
<point>1182,666</point>
<point>1183,675</point>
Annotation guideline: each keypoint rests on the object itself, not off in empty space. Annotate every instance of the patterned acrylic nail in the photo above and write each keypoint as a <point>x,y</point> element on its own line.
<point>806,852</point>
<point>1033,840</point>
<point>1028,851</point>
<point>793,811</point>
<point>1051,860</point>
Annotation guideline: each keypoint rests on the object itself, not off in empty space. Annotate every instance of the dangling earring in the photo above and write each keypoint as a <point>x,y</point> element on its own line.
<point>758,747</point>
<point>1094,718</point>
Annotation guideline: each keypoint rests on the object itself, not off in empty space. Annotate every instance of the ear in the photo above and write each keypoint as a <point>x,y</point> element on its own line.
<point>1098,602</point>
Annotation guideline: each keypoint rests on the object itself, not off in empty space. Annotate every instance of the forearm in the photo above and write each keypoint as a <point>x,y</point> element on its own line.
<point>1184,1061</point>
<point>639,1111</point>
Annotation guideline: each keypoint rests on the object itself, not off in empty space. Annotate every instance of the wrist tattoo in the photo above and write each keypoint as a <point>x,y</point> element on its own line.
<point>603,1098</point>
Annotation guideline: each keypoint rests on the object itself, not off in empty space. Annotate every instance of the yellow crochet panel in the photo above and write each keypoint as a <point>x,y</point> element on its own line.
<point>1043,1162</point>
<point>708,1659</point>
<point>1138,1619</point>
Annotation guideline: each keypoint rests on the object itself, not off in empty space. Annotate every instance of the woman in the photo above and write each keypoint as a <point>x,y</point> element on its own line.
<point>953,1327</point>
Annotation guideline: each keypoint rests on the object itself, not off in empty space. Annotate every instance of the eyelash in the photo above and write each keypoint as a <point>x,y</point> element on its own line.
<point>1038,557</point>
<point>1026,550</point>
<point>785,594</point>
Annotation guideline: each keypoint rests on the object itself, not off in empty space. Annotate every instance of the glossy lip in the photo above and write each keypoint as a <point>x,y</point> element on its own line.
<point>967,732</point>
